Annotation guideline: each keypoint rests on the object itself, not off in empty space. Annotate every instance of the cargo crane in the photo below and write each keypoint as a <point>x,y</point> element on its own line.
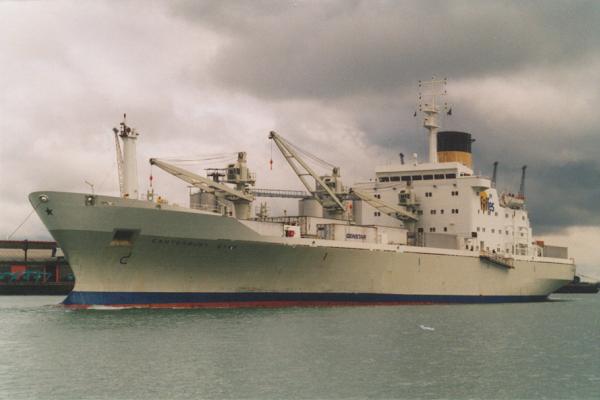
<point>329,190</point>
<point>399,212</point>
<point>237,174</point>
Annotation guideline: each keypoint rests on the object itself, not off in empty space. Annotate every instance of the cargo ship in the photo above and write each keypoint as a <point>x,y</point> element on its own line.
<point>416,233</point>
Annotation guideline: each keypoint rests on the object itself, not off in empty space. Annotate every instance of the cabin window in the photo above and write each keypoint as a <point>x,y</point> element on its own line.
<point>439,176</point>
<point>445,229</point>
<point>405,179</point>
<point>431,229</point>
<point>377,214</point>
<point>433,212</point>
<point>395,178</point>
<point>384,179</point>
<point>442,211</point>
<point>493,230</point>
<point>450,176</point>
<point>427,177</point>
<point>417,178</point>
<point>420,230</point>
<point>478,229</point>
<point>377,196</point>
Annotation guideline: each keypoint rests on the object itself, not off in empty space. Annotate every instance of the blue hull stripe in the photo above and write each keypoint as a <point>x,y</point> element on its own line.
<point>150,298</point>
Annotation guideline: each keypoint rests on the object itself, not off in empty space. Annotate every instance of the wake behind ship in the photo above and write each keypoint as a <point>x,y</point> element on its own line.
<point>417,233</point>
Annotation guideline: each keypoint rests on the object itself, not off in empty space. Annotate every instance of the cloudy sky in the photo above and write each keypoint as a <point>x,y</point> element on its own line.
<point>338,77</point>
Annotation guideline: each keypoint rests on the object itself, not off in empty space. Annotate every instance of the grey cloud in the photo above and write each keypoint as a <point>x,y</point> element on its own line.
<point>285,50</point>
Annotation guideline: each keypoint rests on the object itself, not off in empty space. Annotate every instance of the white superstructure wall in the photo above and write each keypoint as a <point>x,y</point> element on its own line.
<point>453,201</point>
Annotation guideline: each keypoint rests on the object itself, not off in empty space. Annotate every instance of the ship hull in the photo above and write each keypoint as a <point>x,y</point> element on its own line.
<point>188,258</point>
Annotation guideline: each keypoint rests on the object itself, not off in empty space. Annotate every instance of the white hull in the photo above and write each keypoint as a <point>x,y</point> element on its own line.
<point>183,257</point>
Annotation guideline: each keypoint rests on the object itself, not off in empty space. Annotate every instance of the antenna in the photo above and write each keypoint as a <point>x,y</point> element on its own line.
<point>522,187</point>
<point>495,174</point>
<point>429,91</point>
<point>401,158</point>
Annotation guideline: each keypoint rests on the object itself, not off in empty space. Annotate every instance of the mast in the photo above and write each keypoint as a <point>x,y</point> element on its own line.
<point>429,91</point>
<point>495,174</point>
<point>522,187</point>
<point>127,160</point>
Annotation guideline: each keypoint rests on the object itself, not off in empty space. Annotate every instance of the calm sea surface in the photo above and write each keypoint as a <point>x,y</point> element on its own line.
<point>538,350</point>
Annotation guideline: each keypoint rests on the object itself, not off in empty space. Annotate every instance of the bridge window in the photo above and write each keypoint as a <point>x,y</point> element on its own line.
<point>439,176</point>
<point>427,177</point>
<point>395,178</point>
<point>450,176</point>
<point>405,179</point>
<point>384,179</point>
<point>417,178</point>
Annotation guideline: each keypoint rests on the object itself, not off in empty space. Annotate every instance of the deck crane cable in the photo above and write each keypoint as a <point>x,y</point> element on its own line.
<point>316,159</point>
<point>222,157</point>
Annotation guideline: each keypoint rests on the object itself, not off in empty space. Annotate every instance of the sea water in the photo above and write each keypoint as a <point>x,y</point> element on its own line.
<point>503,351</point>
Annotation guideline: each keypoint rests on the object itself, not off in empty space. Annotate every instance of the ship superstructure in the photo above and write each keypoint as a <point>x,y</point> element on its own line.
<point>416,232</point>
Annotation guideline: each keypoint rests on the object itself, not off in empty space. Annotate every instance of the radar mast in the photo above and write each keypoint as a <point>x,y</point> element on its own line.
<point>429,92</point>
